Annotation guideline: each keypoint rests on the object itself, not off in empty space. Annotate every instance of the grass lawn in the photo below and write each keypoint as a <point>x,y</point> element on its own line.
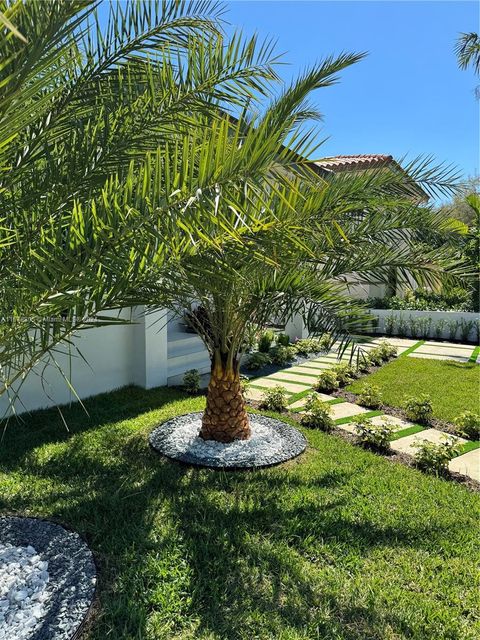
<point>454,387</point>
<point>338,544</point>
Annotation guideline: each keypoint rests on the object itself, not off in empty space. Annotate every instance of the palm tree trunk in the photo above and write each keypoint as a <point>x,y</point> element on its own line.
<point>225,418</point>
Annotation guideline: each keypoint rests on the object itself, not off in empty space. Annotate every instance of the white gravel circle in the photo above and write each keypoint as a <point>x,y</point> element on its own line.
<point>271,442</point>
<point>47,580</point>
<point>24,591</point>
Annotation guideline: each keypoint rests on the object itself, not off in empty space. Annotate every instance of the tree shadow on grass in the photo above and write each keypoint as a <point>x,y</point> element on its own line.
<point>231,556</point>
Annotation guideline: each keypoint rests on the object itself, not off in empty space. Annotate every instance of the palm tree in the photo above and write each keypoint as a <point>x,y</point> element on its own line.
<point>467,50</point>
<point>298,236</point>
<point>82,108</point>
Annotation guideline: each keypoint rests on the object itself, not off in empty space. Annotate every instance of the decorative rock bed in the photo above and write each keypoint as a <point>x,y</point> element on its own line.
<point>272,442</point>
<point>47,580</point>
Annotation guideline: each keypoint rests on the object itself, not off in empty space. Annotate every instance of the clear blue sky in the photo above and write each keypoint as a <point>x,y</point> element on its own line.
<point>407,97</point>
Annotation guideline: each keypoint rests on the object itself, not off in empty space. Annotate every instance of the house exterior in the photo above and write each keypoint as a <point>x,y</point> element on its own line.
<point>155,349</point>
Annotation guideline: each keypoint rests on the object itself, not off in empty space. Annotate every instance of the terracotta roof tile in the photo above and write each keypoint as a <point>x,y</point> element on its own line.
<point>344,163</point>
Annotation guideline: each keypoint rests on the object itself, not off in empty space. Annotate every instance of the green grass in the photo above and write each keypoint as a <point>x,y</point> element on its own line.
<point>339,544</point>
<point>453,386</point>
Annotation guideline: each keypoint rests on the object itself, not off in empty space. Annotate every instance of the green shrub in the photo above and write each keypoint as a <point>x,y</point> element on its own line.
<point>318,414</point>
<point>452,329</point>
<point>345,374</point>
<point>191,381</point>
<point>283,339</point>
<point>424,324</point>
<point>413,326</point>
<point>327,381</point>
<point>390,323</point>
<point>265,341</point>
<point>282,355</point>
<point>307,345</point>
<point>433,457</point>
<point>402,326</point>
<point>386,350</point>
<point>274,399</point>
<point>244,384</point>
<point>325,342</point>
<point>370,396</point>
<point>439,328</point>
<point>257,361</point>
<point>466,327</point>
<point>375,356</point>
<point>376,436</point>
<point>468,424</point>
<point>419,409</point>
<point>364,364</point>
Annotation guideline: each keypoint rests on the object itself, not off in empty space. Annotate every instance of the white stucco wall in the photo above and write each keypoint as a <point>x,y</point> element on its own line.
<point>115,357</point>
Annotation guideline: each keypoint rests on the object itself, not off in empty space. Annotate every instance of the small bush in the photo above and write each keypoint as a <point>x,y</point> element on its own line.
<point>452,329</point>
<point>386,350</point>
<point>307,345</point>
<point>413,326</point>
<point>364,364</point>
<point>318,414</point>
<point>419,409</point>
<point>325,342</point>
<point>424,324</point>
<point>390,323</point>
<point>370,396</point>
<point>345,374</point>
<point>468,424</point>
<point>265,341</point>
<point>251,337</point>
<point>433,457</point>
<point>375,356</point>
<point>244,384</point>
<point>257,361</point>
<point>402,326</point>
<point>283,339</point>
<point>282,355</point>
<point>439,328</point>
<point>466,327</point>
<point>376,436</point>
<point>274,399</point>
<point>327,381</point>
<point>191,381</point>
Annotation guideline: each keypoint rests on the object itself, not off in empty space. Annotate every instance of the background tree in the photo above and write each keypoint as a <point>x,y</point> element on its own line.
<point>467,50</point>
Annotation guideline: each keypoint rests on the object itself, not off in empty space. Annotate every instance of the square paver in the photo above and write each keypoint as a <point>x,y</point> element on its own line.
<point>448,345</point>
<point>406,444</point>
<point>301,402</point>
<point>317,366</point>
<point>309,372</point>
<point>444,351</point>
<point>346,409</point>
<point>268,383</point>
<point>293,377</point>
<point>254,394</point>
<point>467,465</point>
<point>397,423</point>
<point>433,356</point>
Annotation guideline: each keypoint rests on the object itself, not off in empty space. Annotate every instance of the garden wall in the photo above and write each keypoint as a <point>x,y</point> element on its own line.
<point>115,356</point>
<point>443,325</point>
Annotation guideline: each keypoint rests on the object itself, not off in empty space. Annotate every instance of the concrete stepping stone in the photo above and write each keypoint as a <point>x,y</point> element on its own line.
<point>406,444</point>
<point>293,377</point>
<point>254,394</point>
<point>443,351</point>
<point>397,423</point>
<point>268,383</point>
<point>310,372</point>
<point>468,464</point>
<point>447,345</point>
<point>316,365</point>
<point>433,356</point>
<point>301,402</point>
<point>346,409</point>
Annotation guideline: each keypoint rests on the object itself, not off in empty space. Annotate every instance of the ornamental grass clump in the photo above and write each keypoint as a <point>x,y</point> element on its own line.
<point>274,399</point>
<point>468,425</point>
<point>370,396</point>
<point>434,457</point>
<point>318,414</point>
<point>419,409</point>
<point>327,382</point>
<point>374,436</point>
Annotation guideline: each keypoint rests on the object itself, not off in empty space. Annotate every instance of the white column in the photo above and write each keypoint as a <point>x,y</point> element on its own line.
<point>296,328</point>
<point>150,348</point>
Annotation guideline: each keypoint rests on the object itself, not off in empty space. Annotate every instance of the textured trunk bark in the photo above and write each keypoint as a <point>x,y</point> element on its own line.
<point>225,418</point>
